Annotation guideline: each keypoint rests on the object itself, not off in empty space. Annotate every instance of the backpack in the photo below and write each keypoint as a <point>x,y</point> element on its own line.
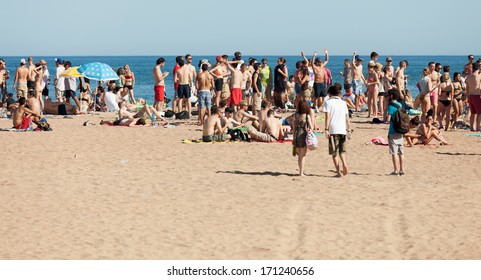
<point>169,114</point>
<point>401,120</point>
<point>184,115</point>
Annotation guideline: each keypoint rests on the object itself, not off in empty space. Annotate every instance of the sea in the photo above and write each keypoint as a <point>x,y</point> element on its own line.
<point>142,67</point>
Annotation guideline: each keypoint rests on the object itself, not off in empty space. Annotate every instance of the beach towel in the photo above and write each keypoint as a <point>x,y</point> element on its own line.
<point>379,141</point>
<point>473,134</point>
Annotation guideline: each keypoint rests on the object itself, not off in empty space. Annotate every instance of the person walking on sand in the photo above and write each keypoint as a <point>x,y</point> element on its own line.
<point>337,126</point>
<point>302,120</point>
<point>396,139</point>
<point>473,91</point>
<point>159,84</point>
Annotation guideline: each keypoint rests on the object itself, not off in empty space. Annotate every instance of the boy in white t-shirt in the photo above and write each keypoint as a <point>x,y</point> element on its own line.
<point>337,127</point>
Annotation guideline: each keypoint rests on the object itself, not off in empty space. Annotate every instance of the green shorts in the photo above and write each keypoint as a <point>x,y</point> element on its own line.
<point>337,144</point>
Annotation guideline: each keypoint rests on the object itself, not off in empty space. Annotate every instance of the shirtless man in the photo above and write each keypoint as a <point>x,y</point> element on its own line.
<point>242,116</point>
<point>33,102</point>
<point>22,116</point>
<point>145,112</point>
<point>435,81</point>
<point>204,84</point>
<point>400,78</point>
<point>183,77</point>
<point>272,129</point>
<point>31,74</point>
<point>318,67</point>
<point>357,78</point>
<point>236,84</point>
<point>265,107</point>
<point>159,84</point>
<point>213,131</point>
<point>21,76</point>
<point>188,64</point>
<point>468,68</point>
<point>59,108</point>
<point>473,90</point>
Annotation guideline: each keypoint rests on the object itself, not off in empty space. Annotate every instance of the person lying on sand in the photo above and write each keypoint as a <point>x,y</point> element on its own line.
<point>125,122</point>
<point>145,112</point>
<point>58,108</point>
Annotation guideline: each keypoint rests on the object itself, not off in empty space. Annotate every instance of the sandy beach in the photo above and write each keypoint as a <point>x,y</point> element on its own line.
<point>100,192</point>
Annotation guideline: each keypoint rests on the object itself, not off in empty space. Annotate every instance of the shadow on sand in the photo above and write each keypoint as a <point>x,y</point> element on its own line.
<point>457,154</point>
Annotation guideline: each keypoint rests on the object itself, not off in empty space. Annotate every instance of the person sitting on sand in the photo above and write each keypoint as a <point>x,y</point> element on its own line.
<point>213,131</point>
<point>242,116</point>
<point>271,131</point>
<point>22,117</point>
<point>111,99</point>
<point>428,131</point>
<point>59,108</point>
<point>229,118</point>
<point>33,102</point>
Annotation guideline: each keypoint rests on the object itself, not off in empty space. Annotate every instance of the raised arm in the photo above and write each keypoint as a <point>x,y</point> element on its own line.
<point>304,57</point>
<point>326,60</point>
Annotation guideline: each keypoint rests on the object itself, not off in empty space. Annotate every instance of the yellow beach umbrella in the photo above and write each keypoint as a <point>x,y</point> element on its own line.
<point>71,72</point>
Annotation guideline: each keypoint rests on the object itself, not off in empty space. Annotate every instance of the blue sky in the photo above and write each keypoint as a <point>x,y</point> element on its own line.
<point>148,27</point>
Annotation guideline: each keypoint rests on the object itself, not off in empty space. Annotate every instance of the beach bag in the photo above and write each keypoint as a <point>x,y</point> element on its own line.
<point>184,115</point>
<point>311,139</point>
<point>169,114</point>
<point>401,120</point>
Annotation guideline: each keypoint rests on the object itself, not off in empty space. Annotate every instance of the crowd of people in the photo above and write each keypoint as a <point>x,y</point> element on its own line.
<point>252,99</point>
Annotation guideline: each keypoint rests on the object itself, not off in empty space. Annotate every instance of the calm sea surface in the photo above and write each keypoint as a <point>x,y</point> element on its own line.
<point>142,67</point>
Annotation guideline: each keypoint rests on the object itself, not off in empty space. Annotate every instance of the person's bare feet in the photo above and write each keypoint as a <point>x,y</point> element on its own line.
<point>344,170</point>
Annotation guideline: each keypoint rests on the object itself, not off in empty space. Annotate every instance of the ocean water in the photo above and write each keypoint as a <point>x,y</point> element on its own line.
<point>142,67</point>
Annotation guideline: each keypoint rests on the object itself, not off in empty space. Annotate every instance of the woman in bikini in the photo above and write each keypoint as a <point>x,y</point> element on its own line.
<point>129,81</point>
<point>444,103</point>
<point>425,86</point>
<point>457,98</point>
<point>429,131</point>
<point>85,92</point>
<point>372,84</point>
<point>387,84</point>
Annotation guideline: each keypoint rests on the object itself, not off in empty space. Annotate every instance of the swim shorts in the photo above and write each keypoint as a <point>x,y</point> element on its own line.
<point>357,87</point>
<point>159,93</point>
<point>236,96</point>
<point>183,91</point>
<point>205,97</point>
<point>396,145</point>
<point>320,90</point>
<point>475,104</point>
<point>218,84</point>
<point>337,144</point>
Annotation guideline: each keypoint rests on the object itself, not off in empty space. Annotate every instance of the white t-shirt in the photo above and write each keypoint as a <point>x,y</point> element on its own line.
<point>60,80</point>
<point>45,78</point>
<point>338,112</point>
<point>71,83</point>
<point>111,101</point>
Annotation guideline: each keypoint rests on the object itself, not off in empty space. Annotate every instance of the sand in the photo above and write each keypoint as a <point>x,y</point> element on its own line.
<point>101,192</point>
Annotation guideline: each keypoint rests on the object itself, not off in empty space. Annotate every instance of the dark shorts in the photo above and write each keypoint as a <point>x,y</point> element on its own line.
<point>183,91</point>
<point>45,91</point>
<point>337,144</point>
<point>129,87</point>
<point>347,86</point>
<point>218,84</point>
<point>62,110</point>
<point>69,93</point>
<point>320,90</point>
<point>31,85</point>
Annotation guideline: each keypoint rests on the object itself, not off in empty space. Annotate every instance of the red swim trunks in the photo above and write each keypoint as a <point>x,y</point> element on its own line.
<point>25,124</point>
<point>475,104</point>
<point>159,93</point>
<point>236,96</point>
